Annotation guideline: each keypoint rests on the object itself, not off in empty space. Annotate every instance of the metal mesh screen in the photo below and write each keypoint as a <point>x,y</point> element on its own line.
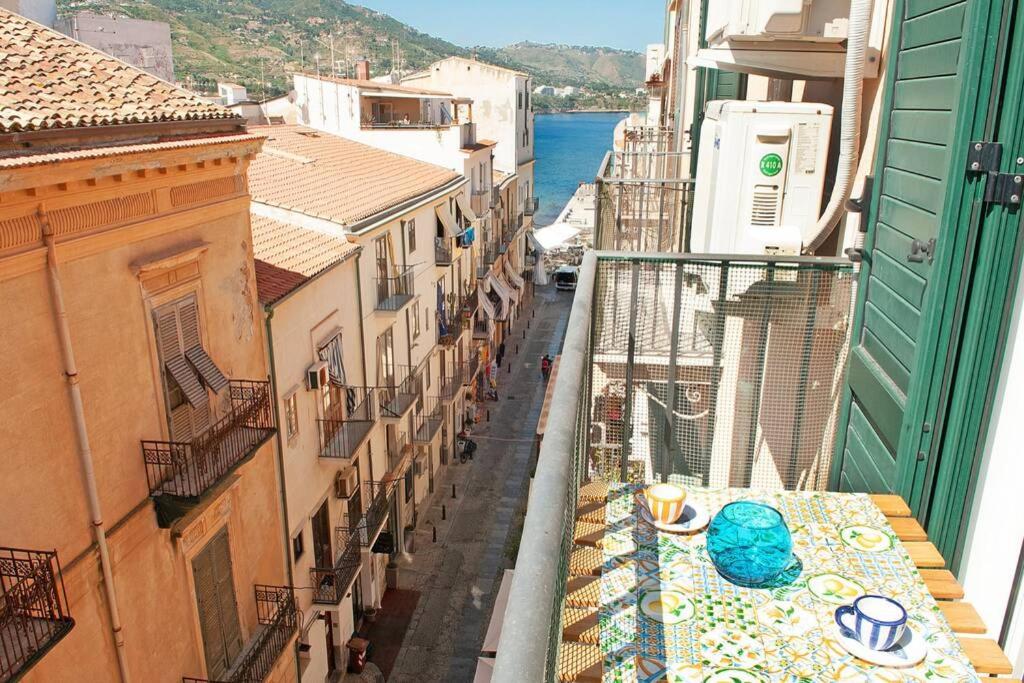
<point>723,373</point>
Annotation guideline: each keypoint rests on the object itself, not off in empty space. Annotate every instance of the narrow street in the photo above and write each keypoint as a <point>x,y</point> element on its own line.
<point>459,575</point>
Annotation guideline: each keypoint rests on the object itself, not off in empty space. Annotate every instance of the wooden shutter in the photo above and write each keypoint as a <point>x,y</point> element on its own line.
<point>933,73</point>
<point>218,609</point>
<point>177,329</point>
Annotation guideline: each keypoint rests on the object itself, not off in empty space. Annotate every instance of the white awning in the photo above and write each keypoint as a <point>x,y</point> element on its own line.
<point>555,235</point>
<point>501,290</point>
<point>513,293</point>
<point>485,303</point>
<point>517,281</point>
<point>484,670</point>
<point>467,210</point>
<point>451,228</point>
<point>498,614</point>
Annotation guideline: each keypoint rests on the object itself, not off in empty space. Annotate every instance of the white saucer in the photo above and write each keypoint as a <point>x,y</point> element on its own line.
<point>693,519</point>
<point>909,650</point>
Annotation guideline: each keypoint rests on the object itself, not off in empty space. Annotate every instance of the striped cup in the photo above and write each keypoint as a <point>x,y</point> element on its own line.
<point>665,501</point>
<point>874,621</point>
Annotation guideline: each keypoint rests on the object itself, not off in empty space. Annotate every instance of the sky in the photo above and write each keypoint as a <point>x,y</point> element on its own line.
<point>623,24</point>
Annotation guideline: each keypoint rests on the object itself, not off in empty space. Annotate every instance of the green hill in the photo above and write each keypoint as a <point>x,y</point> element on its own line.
<point>254,41</point>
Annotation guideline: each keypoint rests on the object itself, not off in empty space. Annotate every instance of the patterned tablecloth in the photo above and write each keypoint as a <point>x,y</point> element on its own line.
<point>666,614</point>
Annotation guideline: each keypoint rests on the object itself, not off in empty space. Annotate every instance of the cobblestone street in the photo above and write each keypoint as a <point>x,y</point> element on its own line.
<point>459,575</point>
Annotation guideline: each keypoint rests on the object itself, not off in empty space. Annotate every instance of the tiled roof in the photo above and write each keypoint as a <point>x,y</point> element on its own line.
<point>288,255</point>
<point>379,86</point>
<point>330,177</point>
<point>101,152</point>
<point>50,81</point>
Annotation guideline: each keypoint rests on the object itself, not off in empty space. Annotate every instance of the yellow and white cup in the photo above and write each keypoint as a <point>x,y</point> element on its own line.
<point>665,501</point>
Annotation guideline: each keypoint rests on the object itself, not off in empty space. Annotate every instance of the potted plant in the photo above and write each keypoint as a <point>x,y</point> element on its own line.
<point>370,614</point>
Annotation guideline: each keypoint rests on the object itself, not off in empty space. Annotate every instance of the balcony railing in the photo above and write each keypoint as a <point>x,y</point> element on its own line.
<point>643,202</point>
<point>451,383</point>
<point>472,368</point>
<point>453,321</point>
<point>489,253</point>
<point>397,396</point>
<point>189,469</point>
<point>344,428</point>
<point>331,583</point>
<point>428,421</point>
<point>443,253</point>
<point>397,452</point>
<point>718,371</point>
<point>278,620</point>
<point>531,205</point>
<point>33,608</point>
<point>393,293</point>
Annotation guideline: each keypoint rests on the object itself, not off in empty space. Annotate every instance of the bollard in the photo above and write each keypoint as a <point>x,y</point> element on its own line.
<point>453,490</point>
<point>488,414</point>
<point>517,349</point>
<point>435,534</point>
<point>444,512</point>
<point>524,334</point>
<point>533,313</point>
<point>510,367</point>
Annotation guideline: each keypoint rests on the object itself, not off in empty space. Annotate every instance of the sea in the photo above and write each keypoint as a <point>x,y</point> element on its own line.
<point>569,149</point>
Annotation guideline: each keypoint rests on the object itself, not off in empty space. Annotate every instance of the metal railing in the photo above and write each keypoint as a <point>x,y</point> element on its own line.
<point>397,452</point>
<point>427,422</point>
<point>643,202</point>
<point>346,425</point>
<point>331,583</point>
<point>703,369</point>
<point>531,205</point>
<point>33,608</point>
<point>489,253</point>
<point>189,469</point>
<point>278,619</point>
<point>395,292</point>
<point>443,251</point>
<point>452,321</point>
<point>451,382</point>
<point>396,397</point>
<point>472,367</point>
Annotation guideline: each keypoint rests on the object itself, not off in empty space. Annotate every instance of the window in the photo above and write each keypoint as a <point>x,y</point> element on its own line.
<point>298,546</point>
<point>410,226</point>
<point>386,359</point>
<point>291,414</point>
<point>520,103</point>
<point>331,394</point>
<point>217,606</point>
<point>527,99</point>
<point>409,482</point>
<point>416,319</point>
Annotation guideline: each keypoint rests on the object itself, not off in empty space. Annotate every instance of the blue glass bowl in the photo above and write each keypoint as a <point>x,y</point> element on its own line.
<point>750,544</point>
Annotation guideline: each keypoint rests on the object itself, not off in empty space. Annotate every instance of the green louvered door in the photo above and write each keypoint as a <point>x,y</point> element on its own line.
<point>936,100</point>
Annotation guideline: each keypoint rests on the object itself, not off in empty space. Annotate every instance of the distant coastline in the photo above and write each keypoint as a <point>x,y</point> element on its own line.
<point>583,111</point>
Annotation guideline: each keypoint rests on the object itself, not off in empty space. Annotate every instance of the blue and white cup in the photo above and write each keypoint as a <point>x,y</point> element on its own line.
<point>874,621</point>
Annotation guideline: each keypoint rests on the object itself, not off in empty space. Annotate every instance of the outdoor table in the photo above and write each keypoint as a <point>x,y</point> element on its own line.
<point>718,632</point>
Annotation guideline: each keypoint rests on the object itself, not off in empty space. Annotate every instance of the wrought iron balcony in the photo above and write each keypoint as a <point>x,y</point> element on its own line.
<point>188,469</point>
<point>472,368</point>
<point>344,429</point>
<point>393,293</point>
<point>277,615</point>
<point>33,609</point>
<point>443,252</point>
<point>451,382</point>
<point>531,205</point>
<point>453,321</point>
<point>397,452</point>
<point>331,583</point>
<point>428,421</point>
<point>489,253</point>
<point>397,396</point>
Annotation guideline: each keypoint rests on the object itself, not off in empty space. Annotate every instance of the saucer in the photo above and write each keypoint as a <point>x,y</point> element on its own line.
<point>909,650</point>
<point>693,518</point>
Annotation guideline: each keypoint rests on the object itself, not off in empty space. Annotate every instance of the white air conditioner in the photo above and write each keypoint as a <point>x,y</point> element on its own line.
<point>318,375</point>
<point>800,20</point>
<point>346,482</point>
<point>760,176</point>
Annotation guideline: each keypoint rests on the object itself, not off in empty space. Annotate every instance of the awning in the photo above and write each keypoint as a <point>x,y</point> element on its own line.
<point>484,670</point>
<point>536,246</point>
<point>517,281</point>
<point>451,228</point>
<point>555,235</point>
<point>501,290</point>
<point>513,293</point>
<point>490,645</point>
<point>467,210</point>
<point>486,303</point>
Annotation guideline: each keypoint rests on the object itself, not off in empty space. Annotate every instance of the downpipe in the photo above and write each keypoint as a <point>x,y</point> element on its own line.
<point>84,447</point>
<point>849,134</point>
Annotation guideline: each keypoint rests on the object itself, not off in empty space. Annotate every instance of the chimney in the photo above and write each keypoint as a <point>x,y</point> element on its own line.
<point>363,70</point>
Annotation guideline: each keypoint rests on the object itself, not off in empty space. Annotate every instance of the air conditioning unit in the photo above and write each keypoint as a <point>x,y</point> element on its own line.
<point>760,176</point>
<point>318,375</point>
<point>801,20</point>
<point>346,482</point>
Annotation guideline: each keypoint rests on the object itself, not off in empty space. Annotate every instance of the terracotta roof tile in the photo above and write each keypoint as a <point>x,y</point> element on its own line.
<point>101,152</point>
<point>377,85</point>
<point>288,255</point>
<point>330,177</point>
<point>50,81</point>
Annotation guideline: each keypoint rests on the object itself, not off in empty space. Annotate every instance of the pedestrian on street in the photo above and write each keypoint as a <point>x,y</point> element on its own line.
<point>545,366</point>
<point>501,352</point>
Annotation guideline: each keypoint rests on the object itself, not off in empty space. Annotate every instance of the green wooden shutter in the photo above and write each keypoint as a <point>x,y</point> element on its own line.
<point>218,610</point>
<point>931,93</point>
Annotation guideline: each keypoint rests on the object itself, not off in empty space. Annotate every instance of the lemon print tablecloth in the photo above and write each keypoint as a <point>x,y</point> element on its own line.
<point>666,614</point>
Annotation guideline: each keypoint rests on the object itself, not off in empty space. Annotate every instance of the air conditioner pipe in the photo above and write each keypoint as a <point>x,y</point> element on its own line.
<point>84,448</point>
<point>849,133</point>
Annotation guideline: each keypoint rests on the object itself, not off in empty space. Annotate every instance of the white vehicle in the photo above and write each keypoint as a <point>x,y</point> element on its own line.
<point>566,277</point>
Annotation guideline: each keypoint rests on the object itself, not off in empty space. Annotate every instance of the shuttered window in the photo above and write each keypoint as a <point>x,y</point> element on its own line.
<point>177,330</point>
<point>218,609</point>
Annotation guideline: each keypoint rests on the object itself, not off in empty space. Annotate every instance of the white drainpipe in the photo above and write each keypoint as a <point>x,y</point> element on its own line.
<point>84,449</point>
<point>849,135</point>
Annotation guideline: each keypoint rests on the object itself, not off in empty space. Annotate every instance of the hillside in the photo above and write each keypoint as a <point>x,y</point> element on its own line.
<point>238,40</point>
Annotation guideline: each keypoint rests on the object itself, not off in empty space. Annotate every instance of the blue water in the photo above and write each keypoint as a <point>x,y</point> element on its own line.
<point>569,149</point>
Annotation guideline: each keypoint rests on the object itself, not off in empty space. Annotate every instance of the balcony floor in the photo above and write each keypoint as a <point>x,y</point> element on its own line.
<point>23,642</point>
<point>349,439</point>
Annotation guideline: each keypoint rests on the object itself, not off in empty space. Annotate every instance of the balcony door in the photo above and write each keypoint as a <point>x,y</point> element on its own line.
<point>217,606</point>
<point>321,523</point>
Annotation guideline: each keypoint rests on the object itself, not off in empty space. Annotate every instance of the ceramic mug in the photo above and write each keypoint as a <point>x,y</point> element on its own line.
<point>665,501</point>
<point>874,621</point>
